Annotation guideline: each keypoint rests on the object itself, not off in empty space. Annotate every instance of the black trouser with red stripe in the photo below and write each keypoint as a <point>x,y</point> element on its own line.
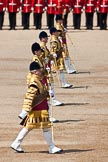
<point>26,20</point>
<point>12,20</point>
<point>50,20</point>
<point>89,20</point>
<point>76,21</point>
<point>103,20</point>
<point>38,20</point>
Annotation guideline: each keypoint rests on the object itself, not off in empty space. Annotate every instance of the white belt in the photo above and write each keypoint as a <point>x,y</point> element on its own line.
<point>1,3</point>
<point>12,4</point>
<point>90,4</point>
<point>38,5</point>
<point>77,6</point>
<point>67,5</point>
<point>104,5</point>
<point>26,4</point>
<point>51,5</point>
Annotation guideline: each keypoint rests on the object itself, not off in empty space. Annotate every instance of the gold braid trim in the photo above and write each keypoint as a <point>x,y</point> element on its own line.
<point>37,119</point>
<point>36,93</point>
<point>38,59</point>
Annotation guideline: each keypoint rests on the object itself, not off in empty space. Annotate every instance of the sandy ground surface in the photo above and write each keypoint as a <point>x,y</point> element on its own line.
<point>83,128</point>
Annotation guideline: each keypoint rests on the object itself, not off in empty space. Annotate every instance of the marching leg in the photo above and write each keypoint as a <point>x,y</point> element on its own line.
<point>54,101</point>
<point>63,80</point>
<point>69,68</point>
<point>48,137</point>
<point>16,143</point>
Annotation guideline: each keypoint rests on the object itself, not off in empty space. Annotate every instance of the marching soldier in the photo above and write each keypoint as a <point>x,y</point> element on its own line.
<point>26,11</point>
<point>38,10</point>
<point>46,54</point>
<point>103,10</point>
<point>90,7</point>
<point>13,7</point>
<point>56,50</point>
<point>50,13</point>
<point>77,11</point>
<point>66,11</point>
<point>2,12</point>
<point>35,109</point>
<point>62,36</point>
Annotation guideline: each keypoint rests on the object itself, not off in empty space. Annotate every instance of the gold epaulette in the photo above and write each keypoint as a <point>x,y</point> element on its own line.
<point>45,49</point>
<point>36,81</point>
<point>38,59</point>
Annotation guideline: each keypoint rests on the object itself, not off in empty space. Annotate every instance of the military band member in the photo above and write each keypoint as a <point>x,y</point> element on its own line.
<point>26,11</point>
<point>77,8</point>
<point>56,51</point>
<point>90,7</point>
<point>50,13</point>
<point>38,10</point>
<point>2,12</point>
<point>62,36</point>
<point>13,7</point>
<point>103,10</point>
<point>36,107</point>
<point>46,54</point>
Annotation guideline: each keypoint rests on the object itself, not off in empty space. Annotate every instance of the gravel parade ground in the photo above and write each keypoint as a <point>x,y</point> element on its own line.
<point>82,131</point>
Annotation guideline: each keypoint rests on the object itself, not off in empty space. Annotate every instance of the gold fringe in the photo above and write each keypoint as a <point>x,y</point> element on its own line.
<point>38,119</point>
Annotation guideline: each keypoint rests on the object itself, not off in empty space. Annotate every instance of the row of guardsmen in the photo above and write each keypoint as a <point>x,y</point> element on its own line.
<point>52,8</point>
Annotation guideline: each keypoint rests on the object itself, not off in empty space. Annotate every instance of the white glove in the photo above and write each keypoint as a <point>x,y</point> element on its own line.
<point>18,9</point>
<point>44,9</point>
<point>55,55</point>
<point>97,9</point>
<point>4,9</point>
<point>52,62</point>
<point>65,30</point>
<point>48,69</point>
<point>23,114</point>
<point>32,9</point>
<point>84,8</point>
<point>46,59</point>
<point>51,92</point>
<point>60,38</point>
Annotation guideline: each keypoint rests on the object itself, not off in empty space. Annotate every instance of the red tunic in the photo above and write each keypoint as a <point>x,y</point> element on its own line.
<point>103,6</point>
<point>67,5</point>
<point>2,5</point>
<point>13,5</point>
<point>90,6</point>
<point>59,6</point>
<point>26,6</point>
<point>77,6</point>
<point>51,6</point>
<point>38,6</point>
